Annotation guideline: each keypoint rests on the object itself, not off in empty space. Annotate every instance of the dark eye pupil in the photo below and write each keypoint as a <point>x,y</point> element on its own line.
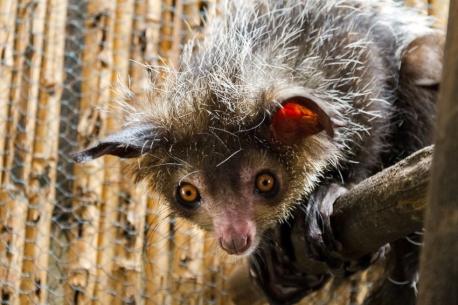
<point>188,193</point>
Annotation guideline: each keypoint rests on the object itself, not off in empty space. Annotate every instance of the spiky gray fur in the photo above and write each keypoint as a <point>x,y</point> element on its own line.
<point>346,53</point>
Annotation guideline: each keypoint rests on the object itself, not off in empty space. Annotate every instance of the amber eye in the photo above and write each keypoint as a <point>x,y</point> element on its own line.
<point>266,184</point>
<point>188,195</point>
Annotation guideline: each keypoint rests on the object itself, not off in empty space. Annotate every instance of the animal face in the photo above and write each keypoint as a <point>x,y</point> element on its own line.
<point>234,182</point>
<point>237,196</point>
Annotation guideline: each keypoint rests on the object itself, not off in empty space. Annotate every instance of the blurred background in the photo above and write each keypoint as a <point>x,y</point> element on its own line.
<point>84,234</point>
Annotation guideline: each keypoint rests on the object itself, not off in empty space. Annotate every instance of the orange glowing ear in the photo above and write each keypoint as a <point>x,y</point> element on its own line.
<point>297,119</point>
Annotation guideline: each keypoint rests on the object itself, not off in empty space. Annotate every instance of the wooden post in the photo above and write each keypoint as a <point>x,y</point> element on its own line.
<point>177,34</point>
<point>212,271</point>
<point>42,183</point>
<point>8,10</point>
<point>129,237</point>
<point>13,209</point>
<point>439,9</point>
<point>152,31</point>
<point>191,18</point>
<point>157,256</point>
<point>421,5</point>
<point>106,234</point>
<point>166,31</point>
<point>439,261</point>
<point>12,106</point>
<point>88,184</point>
<point>23,97</point>
<point>187,263</point>
<point>24,92</point>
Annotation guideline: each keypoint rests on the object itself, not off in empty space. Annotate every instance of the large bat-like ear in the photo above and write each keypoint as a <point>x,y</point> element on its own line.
<point>299,117</point>
<point>421,61</point>
<point>130,142</point>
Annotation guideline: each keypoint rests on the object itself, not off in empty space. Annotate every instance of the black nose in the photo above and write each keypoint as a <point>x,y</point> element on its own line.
<point>235,245</point>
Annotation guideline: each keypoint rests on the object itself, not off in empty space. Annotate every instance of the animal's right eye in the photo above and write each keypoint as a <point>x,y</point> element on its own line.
<point>188,196</point>
<point>266,185</point>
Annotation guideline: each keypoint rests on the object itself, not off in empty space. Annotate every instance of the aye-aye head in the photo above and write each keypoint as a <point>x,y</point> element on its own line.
<point>233,174</point>
<point>233,139</point>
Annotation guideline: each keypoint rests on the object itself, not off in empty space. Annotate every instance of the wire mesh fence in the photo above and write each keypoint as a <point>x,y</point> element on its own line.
<point>84,234</point>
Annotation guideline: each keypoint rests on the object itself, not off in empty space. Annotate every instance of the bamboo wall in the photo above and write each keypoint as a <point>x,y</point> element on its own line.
<point>83,234</point>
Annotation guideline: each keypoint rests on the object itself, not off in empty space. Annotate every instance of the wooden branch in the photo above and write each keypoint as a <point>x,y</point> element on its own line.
<point>379,210</point>
<point>384,207</point>
<point>438,267</point>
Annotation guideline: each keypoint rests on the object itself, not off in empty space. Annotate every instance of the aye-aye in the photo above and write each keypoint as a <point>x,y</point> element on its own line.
<point>273,98</point>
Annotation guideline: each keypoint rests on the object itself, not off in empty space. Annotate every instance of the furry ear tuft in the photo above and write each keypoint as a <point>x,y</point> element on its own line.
<point>130,142</point>
<point>298,118</point>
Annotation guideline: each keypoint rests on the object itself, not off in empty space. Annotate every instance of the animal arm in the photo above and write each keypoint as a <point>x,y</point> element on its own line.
<point>379,210</point>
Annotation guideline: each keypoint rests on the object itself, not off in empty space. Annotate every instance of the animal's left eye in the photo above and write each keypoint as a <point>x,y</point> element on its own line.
<point>188,196</point>
<point>266,184</point>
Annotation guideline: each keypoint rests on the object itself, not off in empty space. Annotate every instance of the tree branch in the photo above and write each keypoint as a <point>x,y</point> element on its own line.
<point>384,207</point>
<point>439,260</point>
